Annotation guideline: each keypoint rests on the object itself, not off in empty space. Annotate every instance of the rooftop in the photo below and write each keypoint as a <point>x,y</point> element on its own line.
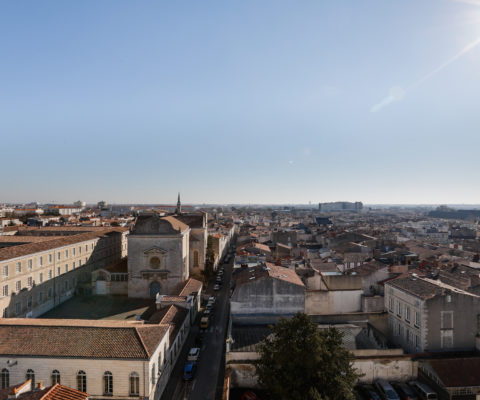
<point>118,308</point>
<point>79,338</point>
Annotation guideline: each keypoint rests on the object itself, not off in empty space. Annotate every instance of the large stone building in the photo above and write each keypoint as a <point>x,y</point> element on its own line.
<point>107,359</point>
<point>427,314</point>
<point>158,258</point>
<point>42,267</point>
<point>265,293</point>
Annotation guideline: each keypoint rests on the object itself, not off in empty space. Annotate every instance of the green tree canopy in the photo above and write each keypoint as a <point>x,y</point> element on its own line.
<point>299,361</point>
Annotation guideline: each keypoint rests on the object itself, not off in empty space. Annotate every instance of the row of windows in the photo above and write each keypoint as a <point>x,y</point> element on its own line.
<point>134,381</point>
<point>410,337</point>
<point>30,282</point>
<point>43,296</point>
<point>18,265</point>
<point>404,310</point>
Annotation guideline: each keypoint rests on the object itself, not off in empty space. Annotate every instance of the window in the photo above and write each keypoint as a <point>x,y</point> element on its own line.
<point>108,383</point>
<point>446,338</point>
<point>66,285</point>
<point>417,341</point>
<point>73,265</point>
<point>399,309</point>
<point>417,319</point>
<point>30,281</point>
<point>390,304</point>
<point>58,256</point>
<point>18,267</point>
<point>41,261</point>
<point>407,313</point>
<point>446,319</point>
<point>153,373</point>
<point>66,267</point>
<point>40,277</point>
<point>82,381</point>
<point>55,377</point>
<point>134,384</point>
<point>58,271</point>
<point>5,378</point>
<point>29,302</point>
<point>50,258</point>
<point>408,335</point>
<point>155,263</point>
<point>50,273</point>
<point>18,308</point>
<point>73,251</point>
<point>79,250</point>
<point>40,298</point>
<point>18,286</point>
<point>5,291</point>
<point>86,248</point>
<point>31,376</point>
<point>5,313</point>
<point>30,264</point>
<point>5,270</point>
<point>66,253</point>
<point>195,258</point>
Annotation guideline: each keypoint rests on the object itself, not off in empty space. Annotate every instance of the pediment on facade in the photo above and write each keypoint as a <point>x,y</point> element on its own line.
<point>155,250</point>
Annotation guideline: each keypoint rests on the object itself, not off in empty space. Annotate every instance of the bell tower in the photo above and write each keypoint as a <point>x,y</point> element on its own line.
<point>178,210</point>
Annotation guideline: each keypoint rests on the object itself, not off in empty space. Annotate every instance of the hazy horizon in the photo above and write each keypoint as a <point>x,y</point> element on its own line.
<point>273,102</point>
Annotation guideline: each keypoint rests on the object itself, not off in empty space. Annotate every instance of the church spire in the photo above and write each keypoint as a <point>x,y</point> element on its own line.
<point>178,210</point>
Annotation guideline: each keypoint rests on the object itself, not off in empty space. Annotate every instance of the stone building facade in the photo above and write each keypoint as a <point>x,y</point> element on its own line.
<point>42,267</point>
<point>158,257</point>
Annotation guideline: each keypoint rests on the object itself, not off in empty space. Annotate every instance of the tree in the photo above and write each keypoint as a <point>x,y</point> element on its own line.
<point>301,362</point>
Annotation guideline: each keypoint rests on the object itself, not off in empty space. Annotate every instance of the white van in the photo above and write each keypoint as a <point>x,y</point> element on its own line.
<point>424,391</point>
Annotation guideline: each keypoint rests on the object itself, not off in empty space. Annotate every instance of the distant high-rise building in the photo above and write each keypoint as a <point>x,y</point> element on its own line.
<point>340,206</point>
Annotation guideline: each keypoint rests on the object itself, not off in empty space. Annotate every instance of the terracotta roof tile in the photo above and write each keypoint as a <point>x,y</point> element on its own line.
<point>79,338</point>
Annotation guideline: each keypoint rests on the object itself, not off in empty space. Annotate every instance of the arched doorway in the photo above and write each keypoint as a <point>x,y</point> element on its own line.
<point>154,288</point>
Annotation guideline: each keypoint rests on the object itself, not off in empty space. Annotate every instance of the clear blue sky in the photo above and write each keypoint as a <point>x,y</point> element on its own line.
<point>240,101</point>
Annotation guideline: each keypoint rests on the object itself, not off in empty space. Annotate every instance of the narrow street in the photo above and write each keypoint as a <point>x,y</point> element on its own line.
<point>205,384</point>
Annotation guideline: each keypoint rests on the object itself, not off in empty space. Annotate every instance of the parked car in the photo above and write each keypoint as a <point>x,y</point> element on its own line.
<point>207,313</point>
<point>209,307</point>
<point>405,391</point>
<point>219,279</point>
<point>204,322</point>
<point>216,287</point>
<point>424,391</point>
<point>387,392</point>
<point>193,354</point>
<point>211,299</point>
<point>189,370</point>
<point>368,392</point>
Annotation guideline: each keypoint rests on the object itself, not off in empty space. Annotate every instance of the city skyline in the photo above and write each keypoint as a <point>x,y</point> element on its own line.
<point>255,103</point>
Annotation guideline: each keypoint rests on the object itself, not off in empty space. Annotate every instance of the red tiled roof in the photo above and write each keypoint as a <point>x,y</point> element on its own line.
<point>79,338</point>
<point>22,250</point>
<point>191,286</point>
<point>55,392</point>
<point>268,271</point>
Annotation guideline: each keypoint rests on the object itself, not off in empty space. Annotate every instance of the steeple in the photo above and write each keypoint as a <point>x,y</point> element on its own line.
<point>178,210</point>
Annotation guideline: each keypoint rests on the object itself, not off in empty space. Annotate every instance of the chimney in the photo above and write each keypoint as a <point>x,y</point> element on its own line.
<point>40,385</point>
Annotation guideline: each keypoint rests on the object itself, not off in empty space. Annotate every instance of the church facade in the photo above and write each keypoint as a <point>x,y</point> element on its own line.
<point>158,255</point>
<point>163,252</point>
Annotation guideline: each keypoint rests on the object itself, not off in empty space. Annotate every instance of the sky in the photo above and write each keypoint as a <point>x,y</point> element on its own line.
<point>240,101</point>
